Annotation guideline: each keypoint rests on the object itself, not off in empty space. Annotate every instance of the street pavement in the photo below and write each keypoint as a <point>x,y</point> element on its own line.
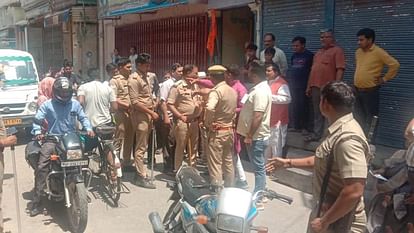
<point>132,214</point>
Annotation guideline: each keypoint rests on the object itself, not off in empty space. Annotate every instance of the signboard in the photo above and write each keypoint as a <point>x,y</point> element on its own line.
<point>109,8</point>
<point>221,4</point>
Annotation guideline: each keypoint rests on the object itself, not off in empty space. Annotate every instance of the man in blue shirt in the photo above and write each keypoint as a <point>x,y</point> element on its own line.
<point>60,113</point>
<point>298,76</point>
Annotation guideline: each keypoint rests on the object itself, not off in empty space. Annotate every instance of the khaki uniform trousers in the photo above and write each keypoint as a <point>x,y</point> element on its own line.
<point>220,157</point>
<point>182,132</point>
<point>124,135</point>
<point>142,124</point>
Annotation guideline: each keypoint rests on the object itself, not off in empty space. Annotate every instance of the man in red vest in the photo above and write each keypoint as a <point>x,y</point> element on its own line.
<point>279,117</point>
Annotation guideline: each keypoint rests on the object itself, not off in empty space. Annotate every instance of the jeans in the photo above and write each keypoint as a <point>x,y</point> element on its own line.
<point>256,153</point>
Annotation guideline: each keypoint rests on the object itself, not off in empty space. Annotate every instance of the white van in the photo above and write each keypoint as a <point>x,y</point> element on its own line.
<point>18,88</point>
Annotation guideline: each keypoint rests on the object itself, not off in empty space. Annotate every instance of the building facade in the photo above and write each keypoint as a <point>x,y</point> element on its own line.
<point>392,21</point>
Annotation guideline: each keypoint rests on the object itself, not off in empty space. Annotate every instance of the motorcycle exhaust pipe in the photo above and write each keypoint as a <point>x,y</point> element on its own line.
<point>67,198</point>
<point>156,222</point>
<point>260,229</point>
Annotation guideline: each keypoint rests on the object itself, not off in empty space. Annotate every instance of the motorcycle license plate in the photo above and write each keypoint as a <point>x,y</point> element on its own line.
<point>74,163</point>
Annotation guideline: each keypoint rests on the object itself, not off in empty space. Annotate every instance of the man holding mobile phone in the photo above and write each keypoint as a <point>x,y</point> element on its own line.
<point>5,141</point>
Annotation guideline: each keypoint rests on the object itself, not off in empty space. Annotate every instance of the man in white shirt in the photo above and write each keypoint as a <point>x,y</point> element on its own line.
<point>254,122</point>
<point>132,57</point>
<point>164,133</point>
<point>279,117</point>
<point>269,41</point>
<point>97,99</point>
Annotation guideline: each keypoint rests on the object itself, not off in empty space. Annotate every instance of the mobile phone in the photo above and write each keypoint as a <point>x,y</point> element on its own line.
<point>11,131</point>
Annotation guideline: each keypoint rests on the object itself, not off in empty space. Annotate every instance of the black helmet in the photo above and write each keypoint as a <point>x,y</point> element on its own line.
<point>62,90</point>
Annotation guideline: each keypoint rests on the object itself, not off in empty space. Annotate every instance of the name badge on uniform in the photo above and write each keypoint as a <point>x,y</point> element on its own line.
<point>244,99</point>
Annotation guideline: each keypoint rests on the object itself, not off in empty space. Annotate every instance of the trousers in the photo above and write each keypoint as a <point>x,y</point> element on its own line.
<point>142,124</point>
<point>48,148</point>
<point>124,135</point>
<point>185,133</point>
<point>318,119</point>
<point>219,157</point>
<point>367,106</point>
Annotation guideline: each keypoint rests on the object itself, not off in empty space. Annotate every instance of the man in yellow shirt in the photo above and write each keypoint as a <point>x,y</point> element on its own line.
<point>370,61</point>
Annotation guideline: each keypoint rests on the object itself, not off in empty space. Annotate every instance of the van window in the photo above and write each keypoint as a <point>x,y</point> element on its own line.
<point>17,71</point>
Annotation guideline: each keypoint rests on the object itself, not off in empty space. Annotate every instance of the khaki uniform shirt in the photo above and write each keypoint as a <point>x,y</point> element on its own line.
<point>183,97</point>
<point>140,90</point>
<point>119,85</point>
<point>221,106</point>
<point>350,159</point>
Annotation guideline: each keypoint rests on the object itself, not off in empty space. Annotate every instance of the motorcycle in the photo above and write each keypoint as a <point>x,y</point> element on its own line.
<point>196,208</point>
<point>67,174</point>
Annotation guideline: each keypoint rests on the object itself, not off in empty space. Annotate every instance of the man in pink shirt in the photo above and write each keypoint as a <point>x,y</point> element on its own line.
<point>232,79</point>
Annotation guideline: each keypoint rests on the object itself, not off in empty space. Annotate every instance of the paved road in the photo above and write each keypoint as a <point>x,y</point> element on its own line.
<point>131,216</point>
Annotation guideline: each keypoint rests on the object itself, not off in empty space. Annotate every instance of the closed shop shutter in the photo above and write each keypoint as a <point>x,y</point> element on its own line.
<point>287,19</point>
<point>168,41</point>
<point>393,23</point>
<point>52,47</point>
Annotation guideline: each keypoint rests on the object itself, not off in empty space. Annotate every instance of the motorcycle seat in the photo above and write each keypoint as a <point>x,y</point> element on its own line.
<point>105,132</point>
<point>193,185</point>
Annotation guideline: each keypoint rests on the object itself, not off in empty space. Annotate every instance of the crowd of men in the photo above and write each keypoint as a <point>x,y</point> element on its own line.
<point>234,110</point>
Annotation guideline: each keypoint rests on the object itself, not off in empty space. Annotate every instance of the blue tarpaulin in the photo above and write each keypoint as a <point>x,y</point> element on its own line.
<point>144,6</point>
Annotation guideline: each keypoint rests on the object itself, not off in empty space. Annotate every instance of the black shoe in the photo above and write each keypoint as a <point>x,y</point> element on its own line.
<point>36,210</point>
<point>145,183</point>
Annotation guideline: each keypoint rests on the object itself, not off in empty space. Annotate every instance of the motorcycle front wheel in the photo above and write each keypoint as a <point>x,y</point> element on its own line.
<point>113,183</point>
<point>78,211</point>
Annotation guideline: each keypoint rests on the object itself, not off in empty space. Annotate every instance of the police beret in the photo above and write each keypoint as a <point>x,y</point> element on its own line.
<point>217,69</point>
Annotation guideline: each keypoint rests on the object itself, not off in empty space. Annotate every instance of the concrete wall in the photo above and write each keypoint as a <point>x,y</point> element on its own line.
<point>237,30</point>
<point>85,47</point>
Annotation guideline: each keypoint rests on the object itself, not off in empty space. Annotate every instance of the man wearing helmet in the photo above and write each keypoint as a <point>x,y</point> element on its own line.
<point>60,113</point>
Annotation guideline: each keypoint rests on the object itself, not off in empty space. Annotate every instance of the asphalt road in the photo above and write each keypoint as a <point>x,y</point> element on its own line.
<point>132,214</point>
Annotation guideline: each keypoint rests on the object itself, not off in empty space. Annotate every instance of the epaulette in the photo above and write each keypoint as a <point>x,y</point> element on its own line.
<point>118,76</point>
<point>178,83</point>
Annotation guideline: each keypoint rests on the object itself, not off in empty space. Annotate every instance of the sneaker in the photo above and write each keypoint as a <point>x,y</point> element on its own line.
<point>242,184</point>
<point>265,200</point>
<point>260,206</point>
<point>145,183</point>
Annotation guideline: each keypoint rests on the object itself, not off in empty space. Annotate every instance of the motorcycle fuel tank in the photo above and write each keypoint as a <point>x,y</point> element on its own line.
<point>71,141</point>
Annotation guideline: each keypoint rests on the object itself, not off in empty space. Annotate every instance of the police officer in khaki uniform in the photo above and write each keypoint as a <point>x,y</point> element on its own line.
<point>143,115</point>
<point>5,141</point>
<point>220,113</point>
<point>345,141</point>
<point>185,105</point>
<point>124,135</point>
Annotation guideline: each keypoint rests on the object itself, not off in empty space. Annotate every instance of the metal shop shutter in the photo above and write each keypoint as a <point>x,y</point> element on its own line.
<point>52,47</point>
<point>393,23</point>
<point>168,41</point>
<point>287,19</point>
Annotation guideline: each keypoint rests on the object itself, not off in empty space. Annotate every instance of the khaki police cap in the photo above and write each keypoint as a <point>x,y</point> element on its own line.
<point>216,69</point>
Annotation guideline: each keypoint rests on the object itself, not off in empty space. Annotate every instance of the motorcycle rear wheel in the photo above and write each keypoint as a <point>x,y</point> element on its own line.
<point>78,211</point>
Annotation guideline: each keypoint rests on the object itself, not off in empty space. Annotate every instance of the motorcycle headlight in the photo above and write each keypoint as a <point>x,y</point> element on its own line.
<point>229,223</point>
<point>32,107</point>
<point>73,154</point>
